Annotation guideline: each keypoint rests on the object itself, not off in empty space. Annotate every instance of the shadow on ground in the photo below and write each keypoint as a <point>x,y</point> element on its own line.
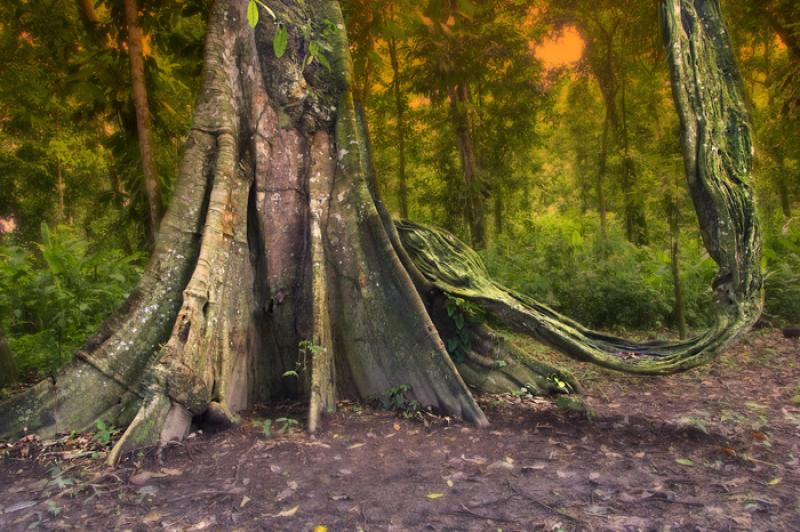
<point>713,449</point>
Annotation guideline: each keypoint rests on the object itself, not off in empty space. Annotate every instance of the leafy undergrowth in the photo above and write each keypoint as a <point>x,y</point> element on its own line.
<point>717,448</point>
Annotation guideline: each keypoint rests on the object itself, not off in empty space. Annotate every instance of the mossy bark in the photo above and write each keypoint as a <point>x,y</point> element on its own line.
<point>276,238</point>
<point>718,155</point>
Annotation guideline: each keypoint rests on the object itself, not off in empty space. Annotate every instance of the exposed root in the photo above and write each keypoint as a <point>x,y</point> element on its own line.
<point>457,270</point>
<point>296,247</point>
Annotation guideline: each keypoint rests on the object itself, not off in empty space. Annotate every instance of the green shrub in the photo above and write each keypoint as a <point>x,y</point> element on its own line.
<point>782,258</point>
<point>55,294</point>
<point>561,260</point>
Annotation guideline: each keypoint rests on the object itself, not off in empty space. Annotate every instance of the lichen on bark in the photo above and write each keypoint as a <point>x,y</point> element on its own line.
<point>276,238</point>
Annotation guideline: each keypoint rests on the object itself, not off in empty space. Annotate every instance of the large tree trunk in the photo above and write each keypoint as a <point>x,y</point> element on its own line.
<point>142,108</point>
<point>273,239</point>
<point>276,255</point>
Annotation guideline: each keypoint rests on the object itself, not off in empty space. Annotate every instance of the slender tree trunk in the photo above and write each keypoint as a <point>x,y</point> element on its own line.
<point>142,108</point>
<point>61,186</point>
<point>783,189</point>
<point>88,16</point>
<point>400,109</point>
<point>499,208</point>
<point>635,218</point>
<point>602,169</point>
<point>474,212</point>
<point>8,370</point>
<point>679,305</point>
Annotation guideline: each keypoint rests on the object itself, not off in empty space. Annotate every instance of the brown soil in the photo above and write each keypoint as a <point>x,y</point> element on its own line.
<point>715,449</point>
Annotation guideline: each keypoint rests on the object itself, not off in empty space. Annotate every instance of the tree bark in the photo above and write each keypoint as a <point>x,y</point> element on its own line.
<point>88,16</point>
<point>499,208</point>
<point>679,305</point>
<point>277,255</point>
<point>142,108</point>
<point>474,211</point>
<point>401,129</point>
<point>602,170</point>
<point>274,241</point>
<point>8,370</point>
<point>783,189</point>
<point>61,186</point>
<point>635,217</point>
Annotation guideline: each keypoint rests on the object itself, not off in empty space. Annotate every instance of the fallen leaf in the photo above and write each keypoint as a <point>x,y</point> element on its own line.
<point>449,483</point>
<point>774,482</point>
<point>288,513</point>
<point>356,446</point>
<point>288,492</point>
<point>597,510</point>
<point>151,518</point>
<point>140,479</point>
<point>684,462</point>
<point>245,501</point>
<point>531,468</point>
<point>320,528</point>
<point>501,465</point>
<point>434,496</point>
<point>148,491</point>
<point>396,426</point>
<point>19,506</point>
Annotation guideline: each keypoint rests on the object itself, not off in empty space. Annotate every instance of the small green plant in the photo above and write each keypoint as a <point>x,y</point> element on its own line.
<point>104,432</point>
<point>287,425</point>
<point>282,425</point>
<point>53,508</point>
<point>307,349</point>
<point>561,385</point>
<point>570,403</point>
<point>522,393</point>
<point>395,400</point>
<point>463,314</point>
<point>318,42</point>
<point>57,477</point>
<point>696,423</point>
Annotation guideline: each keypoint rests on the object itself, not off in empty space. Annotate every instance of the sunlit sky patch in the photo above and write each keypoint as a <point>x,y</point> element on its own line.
<point>564,49</point>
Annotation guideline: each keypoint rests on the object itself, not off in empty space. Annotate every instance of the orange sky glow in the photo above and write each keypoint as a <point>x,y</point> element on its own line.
<point>564,49</point>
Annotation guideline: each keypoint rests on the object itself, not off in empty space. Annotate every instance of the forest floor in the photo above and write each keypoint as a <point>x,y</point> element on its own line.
<point>715,449</point>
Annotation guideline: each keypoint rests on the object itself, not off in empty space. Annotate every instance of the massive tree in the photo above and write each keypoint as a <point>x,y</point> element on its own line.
<point>278,271</point>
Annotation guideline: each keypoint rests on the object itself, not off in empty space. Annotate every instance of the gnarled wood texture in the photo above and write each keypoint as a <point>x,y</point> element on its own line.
<point>276,239</point>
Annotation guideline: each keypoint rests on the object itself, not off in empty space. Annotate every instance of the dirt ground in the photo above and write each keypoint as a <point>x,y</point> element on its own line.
<point>715,449</point>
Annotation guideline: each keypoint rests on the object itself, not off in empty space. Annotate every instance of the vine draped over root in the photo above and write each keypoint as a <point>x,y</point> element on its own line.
<point>276,238</point>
